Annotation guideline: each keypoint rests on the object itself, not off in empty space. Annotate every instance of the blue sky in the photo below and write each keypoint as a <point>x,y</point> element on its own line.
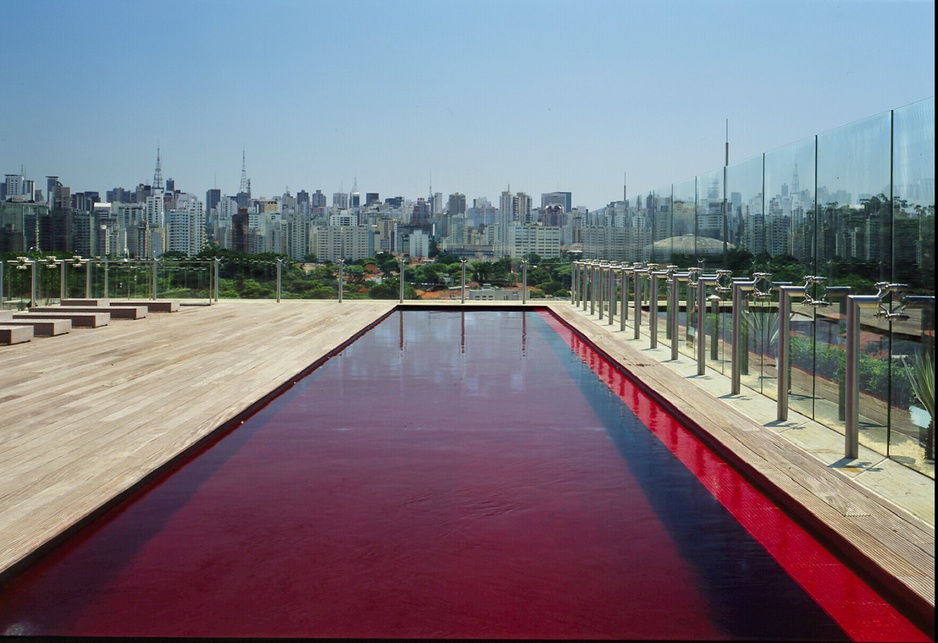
<point>471,95</point>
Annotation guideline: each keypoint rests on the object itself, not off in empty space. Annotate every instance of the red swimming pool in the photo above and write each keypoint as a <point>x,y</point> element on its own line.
<point>453,474</point>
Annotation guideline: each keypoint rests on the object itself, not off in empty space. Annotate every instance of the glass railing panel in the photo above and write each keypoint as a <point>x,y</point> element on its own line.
<point>710,226</point>
<point>185,280</point>
<point>912,387</point>
<point>914,197</point>
<point>789,204</point>
<point>661,319</point>
<point>853,176</point>
<point>764,340</point>
<point>313,280</point>
<point>750,329</point>
<point>717,332</point>
<point>854,248</point>
<point>102,278</point>
<point>130,279</point>
<point>725,335</point>
<point>48,281</point>
<point>17,285</point>
<point>912,381</point>
<point>873,376</point>
<point>76,278</point>
<point>745,223</point>
<point>687,321</point>
<point>658,208</point>
<point>250,277</point>
<point>684,222</point>
<point>802,344</point>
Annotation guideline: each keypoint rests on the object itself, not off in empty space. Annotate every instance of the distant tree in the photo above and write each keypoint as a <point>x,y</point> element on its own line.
<point>740,261</point>
<point>447,258</point>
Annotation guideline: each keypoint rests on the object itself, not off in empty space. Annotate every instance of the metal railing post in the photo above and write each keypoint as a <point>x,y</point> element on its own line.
<point>217,271</point>
<point>855,303</point>
<point>462,290</point>
<point>624,297</point>
<point>599,288</point>
<point>702,283</point>
<point>741,289</point>
<point>524,282</point>
<point>593,284</point>
<point>670,269</point>
<point>612,293</point>
<point>402,280</point>
<point>62,294</point>
<point>280,274</point>
<point>783,366</point>
<point>653,306</point>
<point>32,285</point>
<point>637,272</point>
<point>572,281</point>
<point>587,279</point>
<point>674,304</point>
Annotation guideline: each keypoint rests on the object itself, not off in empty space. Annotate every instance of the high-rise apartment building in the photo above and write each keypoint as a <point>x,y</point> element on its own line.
<point>17,185</point>
<point>338,243</point>
<point>317,201</point>
<point>563,199</point>
<point>456,204</point>
<point>186,225</point>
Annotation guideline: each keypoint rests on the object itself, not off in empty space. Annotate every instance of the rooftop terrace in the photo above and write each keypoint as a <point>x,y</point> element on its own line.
<point>90,416</point>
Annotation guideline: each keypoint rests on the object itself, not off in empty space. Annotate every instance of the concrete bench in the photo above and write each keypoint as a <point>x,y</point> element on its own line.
<point>48,327</point>
<point>78,319</point>
<point>15,334</point>
<point>122,312</point>
<point>153,305</point>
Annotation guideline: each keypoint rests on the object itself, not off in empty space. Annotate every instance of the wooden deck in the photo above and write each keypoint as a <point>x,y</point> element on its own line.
<point>86,416</point>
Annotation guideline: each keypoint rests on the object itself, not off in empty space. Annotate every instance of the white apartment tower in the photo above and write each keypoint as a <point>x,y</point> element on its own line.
<point>186,223</point>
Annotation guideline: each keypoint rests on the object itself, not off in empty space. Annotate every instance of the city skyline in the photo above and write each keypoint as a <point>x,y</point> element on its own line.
<point>460,97</point>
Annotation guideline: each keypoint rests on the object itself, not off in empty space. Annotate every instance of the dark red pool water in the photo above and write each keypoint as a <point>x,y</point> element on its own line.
<point>476,474</point>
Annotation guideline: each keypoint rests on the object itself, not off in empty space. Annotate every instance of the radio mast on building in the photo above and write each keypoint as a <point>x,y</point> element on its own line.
<point>245,181</point>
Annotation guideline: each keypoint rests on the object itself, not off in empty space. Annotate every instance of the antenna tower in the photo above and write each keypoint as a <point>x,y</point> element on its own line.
<point>245,183</point>
<point>158,172</point>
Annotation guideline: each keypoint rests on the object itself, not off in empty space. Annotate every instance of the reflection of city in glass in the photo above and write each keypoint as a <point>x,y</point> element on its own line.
<point>839,203</point>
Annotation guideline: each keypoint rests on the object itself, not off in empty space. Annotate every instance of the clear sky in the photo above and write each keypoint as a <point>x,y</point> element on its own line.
<point>470,96</point>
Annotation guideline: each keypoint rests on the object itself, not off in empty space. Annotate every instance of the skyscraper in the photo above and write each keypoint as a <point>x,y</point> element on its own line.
<point>563,199</point>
